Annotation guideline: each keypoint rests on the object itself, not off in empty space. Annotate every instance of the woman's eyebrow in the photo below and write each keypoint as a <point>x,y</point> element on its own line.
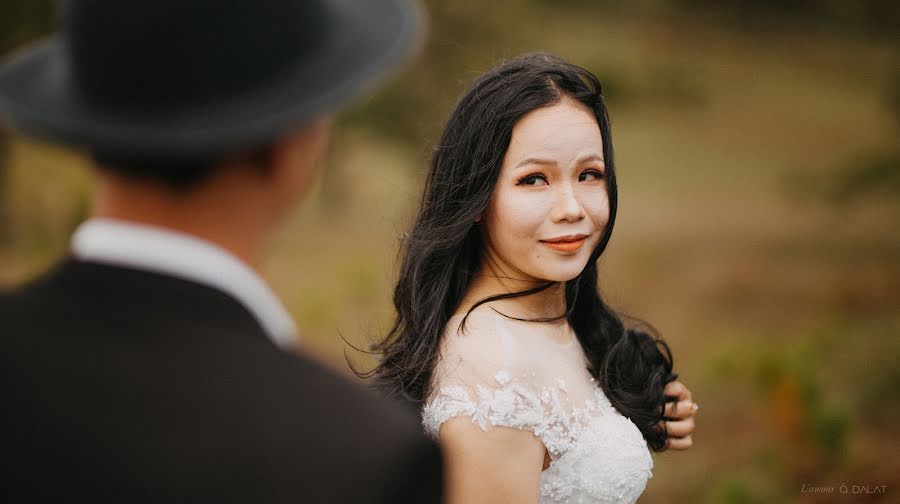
<point>591,157</point>
<point>533,160</point>
<point>550,162</point>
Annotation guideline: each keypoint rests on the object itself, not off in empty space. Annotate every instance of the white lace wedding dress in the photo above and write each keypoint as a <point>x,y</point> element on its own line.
<point>501,372</point>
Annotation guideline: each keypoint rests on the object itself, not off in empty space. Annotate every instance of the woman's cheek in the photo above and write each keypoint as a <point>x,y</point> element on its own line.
<point>520,216</point>
<point>597,207</point>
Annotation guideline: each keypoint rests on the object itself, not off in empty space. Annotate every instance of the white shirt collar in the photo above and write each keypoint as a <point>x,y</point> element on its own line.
<point>188,257</point>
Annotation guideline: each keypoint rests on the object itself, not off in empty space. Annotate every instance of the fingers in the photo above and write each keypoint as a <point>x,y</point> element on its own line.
<point>680,428</point>
<point>679,443</point>
<point>680,410</point>
<point>678,390</point>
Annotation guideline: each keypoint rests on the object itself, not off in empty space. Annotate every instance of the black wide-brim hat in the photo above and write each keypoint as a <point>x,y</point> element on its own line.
<point>198,77</point>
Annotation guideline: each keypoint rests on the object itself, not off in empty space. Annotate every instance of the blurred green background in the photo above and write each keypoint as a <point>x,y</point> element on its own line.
<point>759,228</point>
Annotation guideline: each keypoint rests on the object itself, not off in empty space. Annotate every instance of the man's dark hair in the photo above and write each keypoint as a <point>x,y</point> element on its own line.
<point>181,173</point>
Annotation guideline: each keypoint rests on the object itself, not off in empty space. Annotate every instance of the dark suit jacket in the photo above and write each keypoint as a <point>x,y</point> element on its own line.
<point>118,385</point>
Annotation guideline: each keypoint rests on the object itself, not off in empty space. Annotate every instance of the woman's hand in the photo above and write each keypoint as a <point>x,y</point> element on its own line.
<point>679,422</point>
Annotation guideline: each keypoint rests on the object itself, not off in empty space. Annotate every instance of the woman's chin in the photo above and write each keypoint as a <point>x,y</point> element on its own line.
<point>561,274</point>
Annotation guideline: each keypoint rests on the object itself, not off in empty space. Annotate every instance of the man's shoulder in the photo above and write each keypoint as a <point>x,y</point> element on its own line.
<point>324,395</point>
<point>19,299</point>
<point>330,422</point>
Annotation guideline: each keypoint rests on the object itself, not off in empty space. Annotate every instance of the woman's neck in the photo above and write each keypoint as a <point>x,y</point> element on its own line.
<point>547,303</point>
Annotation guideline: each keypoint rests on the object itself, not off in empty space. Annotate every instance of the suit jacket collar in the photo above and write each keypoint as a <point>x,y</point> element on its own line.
<point>186,257</point>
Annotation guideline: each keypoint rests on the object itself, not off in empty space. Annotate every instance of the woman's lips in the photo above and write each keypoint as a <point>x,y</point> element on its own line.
<point>567,245</point>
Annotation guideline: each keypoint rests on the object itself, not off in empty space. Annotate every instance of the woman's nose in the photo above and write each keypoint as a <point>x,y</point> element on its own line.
<point>567,208</point>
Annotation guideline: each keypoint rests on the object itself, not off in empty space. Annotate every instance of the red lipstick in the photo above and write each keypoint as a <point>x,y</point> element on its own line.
<point>568,244</point>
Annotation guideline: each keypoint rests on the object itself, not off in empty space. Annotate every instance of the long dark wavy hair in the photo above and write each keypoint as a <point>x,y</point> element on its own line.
<point>443,250</point>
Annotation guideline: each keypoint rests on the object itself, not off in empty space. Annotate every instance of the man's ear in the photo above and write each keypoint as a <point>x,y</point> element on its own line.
<point>296,158</point>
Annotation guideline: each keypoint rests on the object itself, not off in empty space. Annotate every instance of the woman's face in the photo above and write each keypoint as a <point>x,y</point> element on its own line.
<point>550,204</point>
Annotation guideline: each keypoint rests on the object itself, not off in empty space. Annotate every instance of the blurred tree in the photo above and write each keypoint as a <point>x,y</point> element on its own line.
<point>877,173</point>
<point>20,22</point>
<point>457,50</point>
<point>872,18</point>
<point>5,210</point>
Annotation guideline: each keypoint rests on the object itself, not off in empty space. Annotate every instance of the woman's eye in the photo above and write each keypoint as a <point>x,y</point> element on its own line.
<point>590,176</point>
<point>533,180</point>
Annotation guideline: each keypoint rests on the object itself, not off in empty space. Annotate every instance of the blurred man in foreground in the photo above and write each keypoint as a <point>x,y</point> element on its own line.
<point>151,365</point>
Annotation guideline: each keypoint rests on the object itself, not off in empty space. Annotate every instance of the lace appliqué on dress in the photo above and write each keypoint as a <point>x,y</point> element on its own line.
<point>598,456</point>
<point>513,404</point>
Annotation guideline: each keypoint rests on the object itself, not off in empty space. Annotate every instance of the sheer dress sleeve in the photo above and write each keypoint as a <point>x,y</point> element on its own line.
<point>511,374</point>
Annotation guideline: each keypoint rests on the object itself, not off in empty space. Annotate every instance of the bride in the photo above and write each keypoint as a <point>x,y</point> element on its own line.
<point>534,387</point>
